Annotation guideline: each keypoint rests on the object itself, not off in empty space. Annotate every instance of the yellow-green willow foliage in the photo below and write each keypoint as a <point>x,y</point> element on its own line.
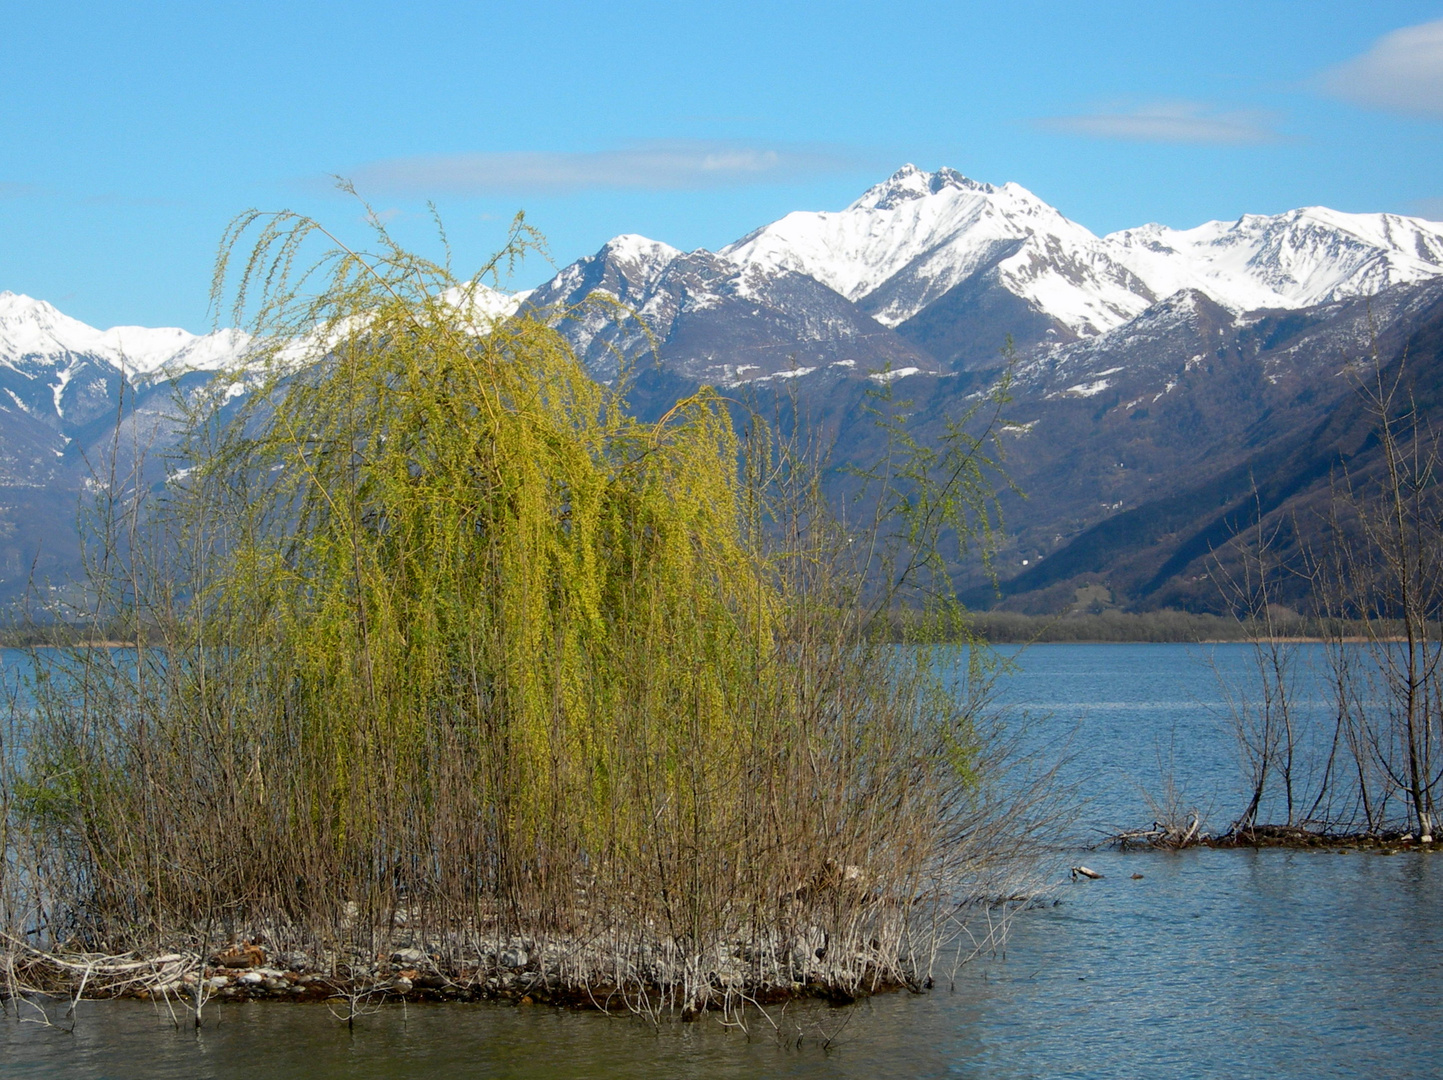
<point>429,517</point>
<point>440,645</point>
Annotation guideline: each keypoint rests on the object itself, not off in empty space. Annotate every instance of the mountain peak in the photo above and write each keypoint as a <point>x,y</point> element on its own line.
<point>636,248</point>
<point>917,235</point>
<point>910,182</point>
<point>13,304</point>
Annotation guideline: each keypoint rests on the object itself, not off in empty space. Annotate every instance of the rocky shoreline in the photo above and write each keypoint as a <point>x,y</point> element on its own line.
<point>519,971</point>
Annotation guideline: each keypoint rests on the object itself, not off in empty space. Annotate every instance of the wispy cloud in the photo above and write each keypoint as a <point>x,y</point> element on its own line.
<point>110,198</point>
<point>1402,71</point>
<point>1168,122</point>
<point>17,191</point>
<point>673,164</point>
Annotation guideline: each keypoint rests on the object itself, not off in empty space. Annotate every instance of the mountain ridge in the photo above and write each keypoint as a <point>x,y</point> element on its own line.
<point>1149,366</point>
<point>957,267</point>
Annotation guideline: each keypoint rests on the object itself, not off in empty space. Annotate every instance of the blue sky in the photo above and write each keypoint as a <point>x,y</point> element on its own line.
<point>131,133</point>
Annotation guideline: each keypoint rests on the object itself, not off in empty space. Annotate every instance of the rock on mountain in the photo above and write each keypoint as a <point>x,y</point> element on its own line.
<point>1143,450</point>
<point>705,317</point>
<point>1263,425</point>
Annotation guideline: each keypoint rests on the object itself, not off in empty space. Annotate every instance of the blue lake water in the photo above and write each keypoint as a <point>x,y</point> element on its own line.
<point>1129,718</point>
<point>1200,963</point>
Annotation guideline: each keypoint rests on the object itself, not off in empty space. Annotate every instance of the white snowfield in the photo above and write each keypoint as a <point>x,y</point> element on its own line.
<point>913,237</point>
<point>487,304</point>
<point>653,255</point>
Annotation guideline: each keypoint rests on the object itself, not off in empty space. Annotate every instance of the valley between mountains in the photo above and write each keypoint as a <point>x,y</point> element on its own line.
<point>1168,386</point>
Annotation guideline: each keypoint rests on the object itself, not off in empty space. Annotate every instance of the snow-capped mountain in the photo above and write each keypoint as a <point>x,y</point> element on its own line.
<point>924,268</point>
<point>925,271</point>
<point>60,394</point>
<point>487,304</point>
<point>909,240</point>
<point>957,268</point>
<point>1157,368</point>
<point>61,374</point>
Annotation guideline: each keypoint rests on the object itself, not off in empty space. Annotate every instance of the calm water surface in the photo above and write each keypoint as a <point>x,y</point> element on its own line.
<point>1227,964</point>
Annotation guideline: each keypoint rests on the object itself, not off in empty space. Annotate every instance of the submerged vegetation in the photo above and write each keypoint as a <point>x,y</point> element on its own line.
<point>446,659</point>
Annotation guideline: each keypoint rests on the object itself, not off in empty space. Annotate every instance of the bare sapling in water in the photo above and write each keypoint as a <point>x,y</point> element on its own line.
<point>1373,571</point>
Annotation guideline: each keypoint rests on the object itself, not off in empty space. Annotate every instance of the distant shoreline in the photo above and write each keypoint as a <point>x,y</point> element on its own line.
<point>1165,627</point>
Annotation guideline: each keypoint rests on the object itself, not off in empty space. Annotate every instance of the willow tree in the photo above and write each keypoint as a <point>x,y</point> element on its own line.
<point>447,646</point>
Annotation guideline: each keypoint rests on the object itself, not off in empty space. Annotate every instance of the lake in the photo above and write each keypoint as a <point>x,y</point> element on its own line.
<point>1199,963</point>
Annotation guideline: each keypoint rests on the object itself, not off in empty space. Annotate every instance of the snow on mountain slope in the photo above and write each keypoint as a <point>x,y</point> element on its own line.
<point>54,354</point>
<point>489,303</point>
<point>883,233</point>
<point>1303,257</point>
<point>910,239</point>
<point>34,335</point>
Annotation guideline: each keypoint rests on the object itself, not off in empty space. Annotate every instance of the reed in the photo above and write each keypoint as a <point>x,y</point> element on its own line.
<point>444,657</point>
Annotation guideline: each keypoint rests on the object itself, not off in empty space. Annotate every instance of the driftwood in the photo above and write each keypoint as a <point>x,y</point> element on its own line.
<point>1169,835</point>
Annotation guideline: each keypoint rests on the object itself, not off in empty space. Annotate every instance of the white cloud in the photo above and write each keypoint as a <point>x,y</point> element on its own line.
<point>657,165</point>
<point>1169,122</point>
<point>1403,72</point>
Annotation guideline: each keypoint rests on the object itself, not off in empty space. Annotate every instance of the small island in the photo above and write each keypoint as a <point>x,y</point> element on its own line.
<point>450,678</point>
